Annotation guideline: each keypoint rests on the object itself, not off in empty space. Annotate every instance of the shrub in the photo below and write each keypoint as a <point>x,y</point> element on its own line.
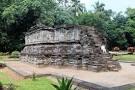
<point>116,49</point>
<point>1,86</point>
<point>4,54</point>
<point>2,65</point>
<point>15,54</point>
<point>10,86</point>
<point>130,50</point>
<point>33,76</point>
<point>64,84</point>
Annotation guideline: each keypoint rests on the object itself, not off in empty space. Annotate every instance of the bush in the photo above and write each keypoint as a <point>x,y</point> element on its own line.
<point>33,76</point>
<point>15,54</point>
<point>10,86</point>
<point>130,50</point>
<point>4,54</point>
<point>116,49</point>
<point>1,86</point>
<point>64,84</point>
<point>2,65</point>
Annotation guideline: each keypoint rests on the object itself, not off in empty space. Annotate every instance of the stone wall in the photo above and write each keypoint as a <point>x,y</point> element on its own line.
<point>52,36</point>
<point>77,46</point>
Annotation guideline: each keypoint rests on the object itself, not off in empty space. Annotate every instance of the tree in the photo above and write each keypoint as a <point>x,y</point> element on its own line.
<point>110,24</point>
<point>17,16</point>
<point>99,18</point>
<point>20,15</point>
<point>99,7</point>
<point>63,3</point>
<point>77,7</point>
<point>42,9</point>
<point>63,16</point>
<point>130,26</point>
<point>3,34</point>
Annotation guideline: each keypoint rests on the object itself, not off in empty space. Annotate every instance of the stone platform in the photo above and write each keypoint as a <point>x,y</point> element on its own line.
<point>122,80</point>
<point>68,45</point>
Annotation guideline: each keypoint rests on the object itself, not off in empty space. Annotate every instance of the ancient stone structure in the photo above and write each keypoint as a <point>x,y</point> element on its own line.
<point>76,46</point>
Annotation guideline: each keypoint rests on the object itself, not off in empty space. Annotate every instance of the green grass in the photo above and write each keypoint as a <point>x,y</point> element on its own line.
<point>3,58</point>
<point>4,78</point>
<point>132,89</point>
<point>6,57</point>
<point>125,57</point>
<point>41,83</point>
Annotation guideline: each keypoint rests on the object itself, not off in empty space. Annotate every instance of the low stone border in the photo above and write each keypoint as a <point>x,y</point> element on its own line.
<point>126,61</point>
<point>130,62</point>
<point>118,53</point>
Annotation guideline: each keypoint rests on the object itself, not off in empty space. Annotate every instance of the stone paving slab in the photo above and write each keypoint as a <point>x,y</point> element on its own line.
<point>122,80</point>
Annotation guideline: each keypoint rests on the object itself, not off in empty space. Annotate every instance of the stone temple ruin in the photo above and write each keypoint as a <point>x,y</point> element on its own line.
<point>69,46</point>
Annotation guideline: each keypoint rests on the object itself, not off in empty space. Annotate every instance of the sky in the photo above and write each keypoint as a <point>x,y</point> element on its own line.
<point>115,5</point>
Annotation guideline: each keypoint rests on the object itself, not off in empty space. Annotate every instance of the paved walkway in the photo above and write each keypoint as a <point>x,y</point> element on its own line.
<point>109,79</point>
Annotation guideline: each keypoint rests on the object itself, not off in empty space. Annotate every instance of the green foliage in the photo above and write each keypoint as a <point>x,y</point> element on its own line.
<point>130,24</point>
<point>10,86</point>
<point>41,83</point>
<point>63,17</point>
<point>41,9</point>
<point>17,16</point>
<point>4,54</point>
<point>15,54</point>
<point>33,76</point>
<point>112,25</point>
<point>125,58</point>
<point>99,7</point>
<point>77,8</point>
<point>64,84</point>
<point>1,86</point>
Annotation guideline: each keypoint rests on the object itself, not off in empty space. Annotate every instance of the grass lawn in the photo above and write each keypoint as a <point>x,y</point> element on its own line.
<point>41,83</point>
<point>6,57</point>
<point>132,89</point>
<point>3,57</point>
<point>125,57</point>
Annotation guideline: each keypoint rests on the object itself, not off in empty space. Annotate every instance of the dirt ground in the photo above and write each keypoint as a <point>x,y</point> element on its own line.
<point>11,74</point>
